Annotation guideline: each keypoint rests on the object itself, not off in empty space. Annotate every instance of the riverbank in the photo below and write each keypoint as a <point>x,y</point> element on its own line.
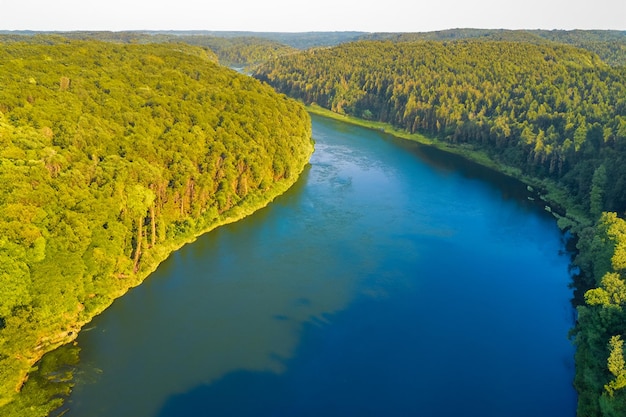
<point>252,305</point>
<point>569,214</point>
<point>38,403</point>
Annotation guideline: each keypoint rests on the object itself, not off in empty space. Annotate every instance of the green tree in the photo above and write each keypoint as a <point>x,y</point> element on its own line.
<point>612,292</point>
<point>616,365</point>
<point>112,156</point>
<point>596,196</point>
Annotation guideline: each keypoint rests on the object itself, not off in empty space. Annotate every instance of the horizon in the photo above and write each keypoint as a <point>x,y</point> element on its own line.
<point>201,31</point>
<point>281,16</point>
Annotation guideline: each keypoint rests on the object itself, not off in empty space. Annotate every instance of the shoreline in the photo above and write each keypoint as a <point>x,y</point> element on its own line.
<point>240,212</point>
<point>287,188</point>
<point>568,214</point>
<point>160,253</point>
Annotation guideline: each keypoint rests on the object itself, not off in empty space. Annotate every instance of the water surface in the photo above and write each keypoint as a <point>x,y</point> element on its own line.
<point>392,280</point>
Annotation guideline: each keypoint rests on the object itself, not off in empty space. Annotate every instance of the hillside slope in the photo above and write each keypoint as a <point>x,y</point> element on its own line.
<point>111,157</point>
<point>555,113</point>
<point>551,111</point>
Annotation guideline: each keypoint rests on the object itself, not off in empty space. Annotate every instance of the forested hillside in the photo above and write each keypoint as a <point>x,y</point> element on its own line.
<point>554,112</point>
<point>601,326</point>
<point>243,52</point>
<point>247,49</point>
<point>111,157</point>
<point>610,45</point>
<point>551,111</point>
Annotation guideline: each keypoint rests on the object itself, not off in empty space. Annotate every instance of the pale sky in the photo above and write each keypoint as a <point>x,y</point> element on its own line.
<point>311,15</point>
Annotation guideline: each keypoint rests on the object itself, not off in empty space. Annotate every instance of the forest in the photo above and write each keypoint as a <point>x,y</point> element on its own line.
<point>111,157</point>
<point>554,114</point>
<point>119,147</point>
<point>232,51</point>
<point>249,49</point>
<point>610,45</point>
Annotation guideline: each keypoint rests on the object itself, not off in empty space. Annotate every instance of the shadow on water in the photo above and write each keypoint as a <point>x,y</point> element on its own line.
<point>510,188</point>
<point>228,394</point>
<point>64,360</point>
<point>448,163</point>
<point>373,360</point>
<point>326,376</point>
<point>376,286</point>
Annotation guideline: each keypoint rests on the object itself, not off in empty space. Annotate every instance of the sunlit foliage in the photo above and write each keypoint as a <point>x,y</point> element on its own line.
<point>601,327</point>
<point>111,156</point>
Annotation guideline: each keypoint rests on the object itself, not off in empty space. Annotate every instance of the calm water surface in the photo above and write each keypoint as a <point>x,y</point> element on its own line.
<point>390,281</point>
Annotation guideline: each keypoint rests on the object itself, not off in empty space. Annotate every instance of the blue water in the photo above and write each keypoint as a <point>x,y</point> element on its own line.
<point>392,280</point>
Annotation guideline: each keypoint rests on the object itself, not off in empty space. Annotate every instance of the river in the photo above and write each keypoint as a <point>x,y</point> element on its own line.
<point>391,280</point>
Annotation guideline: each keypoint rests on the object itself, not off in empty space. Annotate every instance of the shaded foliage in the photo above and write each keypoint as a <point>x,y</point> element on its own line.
<point>601,326</point>
<point>552,111</point>
<point>245,51</point>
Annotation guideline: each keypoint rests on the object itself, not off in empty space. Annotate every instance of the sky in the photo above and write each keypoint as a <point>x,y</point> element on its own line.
<point>310,15</point>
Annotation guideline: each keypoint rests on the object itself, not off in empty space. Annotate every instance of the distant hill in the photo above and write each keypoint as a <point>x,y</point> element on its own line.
<point>234,49</point>
<point>246,49</point>
<point>610,45</point>
<point>299,40</point>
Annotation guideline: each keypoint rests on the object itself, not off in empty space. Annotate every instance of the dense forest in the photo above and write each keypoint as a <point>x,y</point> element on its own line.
<point>232,51</point>
<point>114,154</point>
<point>610,45</point>
<point>601,327</point>
<point>553,112</point>
<point>111,157</point>
<point>238,52</point>
<point>247,49</point>
<point>241,52</point>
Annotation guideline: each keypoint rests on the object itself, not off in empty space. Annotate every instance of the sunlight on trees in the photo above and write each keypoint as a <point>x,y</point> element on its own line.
<point>109,159</point>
